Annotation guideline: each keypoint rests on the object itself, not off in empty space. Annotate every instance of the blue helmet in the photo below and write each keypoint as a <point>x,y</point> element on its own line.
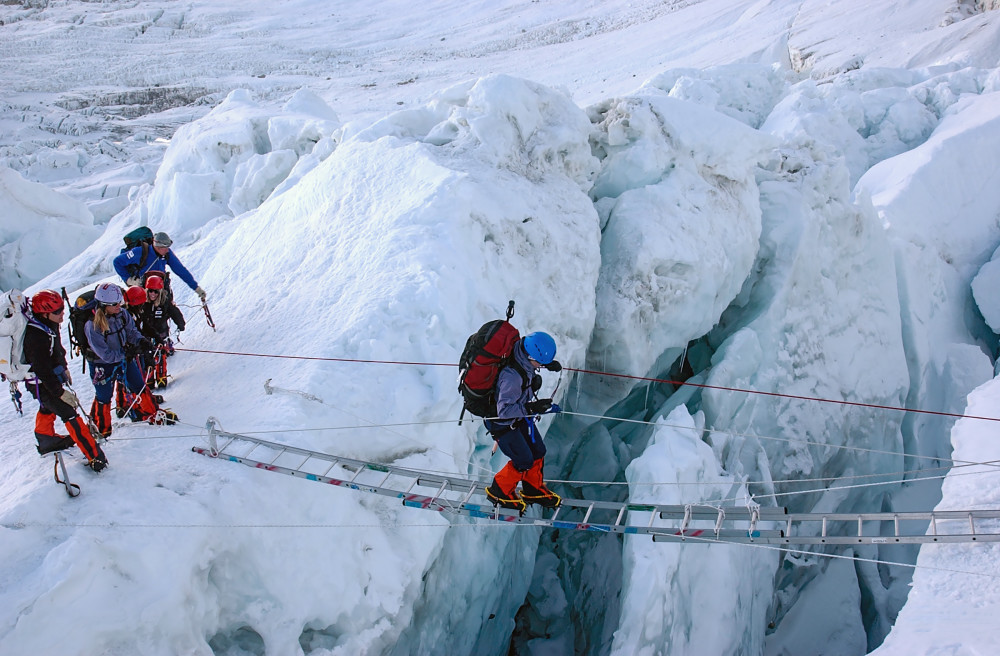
<point>540,347</point>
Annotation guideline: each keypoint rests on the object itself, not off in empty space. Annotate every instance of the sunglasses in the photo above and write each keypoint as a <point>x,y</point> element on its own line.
<point>152,291</point>
<point>59,311</point>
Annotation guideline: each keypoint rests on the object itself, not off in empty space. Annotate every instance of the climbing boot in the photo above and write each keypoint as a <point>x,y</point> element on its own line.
<point>50,443</point>
<point>98,464</point>
<point>542,496</point>
<point>500,498</point>
<point>48,440</point>
<point>164,417</point>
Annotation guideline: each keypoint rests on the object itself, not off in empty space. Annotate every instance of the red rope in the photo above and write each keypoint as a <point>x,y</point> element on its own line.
<point>612,375</point>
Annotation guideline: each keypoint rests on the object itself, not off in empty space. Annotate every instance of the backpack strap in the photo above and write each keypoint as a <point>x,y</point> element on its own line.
<point>32,321</point>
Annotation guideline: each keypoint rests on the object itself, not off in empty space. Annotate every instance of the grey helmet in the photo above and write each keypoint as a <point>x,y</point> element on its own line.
<point>109,294</point>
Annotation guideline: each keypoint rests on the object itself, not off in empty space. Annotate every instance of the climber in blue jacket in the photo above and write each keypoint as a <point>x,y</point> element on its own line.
<point>133,265</point>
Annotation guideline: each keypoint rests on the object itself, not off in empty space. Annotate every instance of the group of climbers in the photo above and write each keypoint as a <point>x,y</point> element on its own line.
<point>125,340</point>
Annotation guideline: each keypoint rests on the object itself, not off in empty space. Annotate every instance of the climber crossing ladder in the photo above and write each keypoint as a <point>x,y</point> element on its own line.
<point>665,523</point>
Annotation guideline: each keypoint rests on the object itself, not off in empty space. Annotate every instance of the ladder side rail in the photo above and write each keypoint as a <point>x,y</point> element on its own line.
<point>890,516</point>
<point>340,482</point>
<point>668,534</point>
<point>831,540</point>
<point>454,480</point>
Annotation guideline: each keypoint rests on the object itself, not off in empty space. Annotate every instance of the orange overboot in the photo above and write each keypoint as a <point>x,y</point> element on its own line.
<point>501,490</point>
<point>100,414</point>
<point>45,434</point>
<point>533,489</point>
<point>78,430</point>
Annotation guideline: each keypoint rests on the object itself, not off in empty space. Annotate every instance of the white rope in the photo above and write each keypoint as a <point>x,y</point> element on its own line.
<point>477,525</point>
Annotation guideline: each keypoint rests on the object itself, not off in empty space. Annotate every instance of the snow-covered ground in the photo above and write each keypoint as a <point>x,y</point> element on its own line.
<point>795,198</point>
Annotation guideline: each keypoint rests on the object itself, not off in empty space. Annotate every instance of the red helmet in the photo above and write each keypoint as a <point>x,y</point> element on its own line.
<point>46,302</point>
<point>154,282</point>
<point>135,295</point>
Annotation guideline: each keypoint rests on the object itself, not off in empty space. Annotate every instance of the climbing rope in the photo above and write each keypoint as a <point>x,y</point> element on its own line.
<point>666,381</point>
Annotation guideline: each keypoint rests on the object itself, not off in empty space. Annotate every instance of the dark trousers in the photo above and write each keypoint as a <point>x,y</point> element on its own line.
<point>103,375</point>
<point>521,443</point>
<point>51,404</point>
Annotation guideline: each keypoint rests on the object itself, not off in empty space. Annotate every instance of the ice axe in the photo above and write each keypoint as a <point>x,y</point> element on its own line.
<point>208,315</point>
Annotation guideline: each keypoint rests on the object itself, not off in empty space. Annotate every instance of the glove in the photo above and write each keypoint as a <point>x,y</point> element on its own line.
<point>536,384</point>
<point>132,281</point>
<point>539,407</point>
<point>145,345</point>
<point>69,398</point>
<point>554,366</point>
<point>201,294</point>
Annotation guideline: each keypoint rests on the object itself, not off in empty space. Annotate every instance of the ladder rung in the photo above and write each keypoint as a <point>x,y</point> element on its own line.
<point>280,453</point>
<point>689,522</point>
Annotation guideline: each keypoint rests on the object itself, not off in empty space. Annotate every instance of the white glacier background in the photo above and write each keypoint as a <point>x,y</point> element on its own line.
<point>791,198</point>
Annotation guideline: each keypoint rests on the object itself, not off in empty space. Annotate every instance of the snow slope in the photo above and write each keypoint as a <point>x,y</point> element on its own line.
<point>788,197</point>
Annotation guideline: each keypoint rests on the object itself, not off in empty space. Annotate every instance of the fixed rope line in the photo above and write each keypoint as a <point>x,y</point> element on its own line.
<point>826,445</point>
<point>955,463</point>
<point>803,552</point>
<point>894,481</point>
<point>648,379</point>
<point>20,525</point>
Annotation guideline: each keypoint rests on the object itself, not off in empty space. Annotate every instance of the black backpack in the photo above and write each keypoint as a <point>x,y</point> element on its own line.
<point>80,313</point>
<point>486,353</point>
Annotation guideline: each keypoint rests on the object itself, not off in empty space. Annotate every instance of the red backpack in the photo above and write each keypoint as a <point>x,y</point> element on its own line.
<point>486,352</point>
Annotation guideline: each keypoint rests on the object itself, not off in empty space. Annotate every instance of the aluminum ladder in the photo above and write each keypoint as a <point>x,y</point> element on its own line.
<point>454,495</point>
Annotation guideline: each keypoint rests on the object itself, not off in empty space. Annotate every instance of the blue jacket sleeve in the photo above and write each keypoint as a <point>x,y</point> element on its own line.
<point>122,261</point>
<point>178,268</point>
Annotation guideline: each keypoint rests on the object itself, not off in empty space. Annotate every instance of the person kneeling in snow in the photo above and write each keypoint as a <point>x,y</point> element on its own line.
<point>44,351</point>
<point>116,341</point>
<point>514,429</point>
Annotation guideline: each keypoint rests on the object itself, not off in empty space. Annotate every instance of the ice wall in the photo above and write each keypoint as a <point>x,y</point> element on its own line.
<point>40,229</point>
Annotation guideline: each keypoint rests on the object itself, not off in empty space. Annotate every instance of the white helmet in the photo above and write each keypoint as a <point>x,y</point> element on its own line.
<point>109,294</point>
